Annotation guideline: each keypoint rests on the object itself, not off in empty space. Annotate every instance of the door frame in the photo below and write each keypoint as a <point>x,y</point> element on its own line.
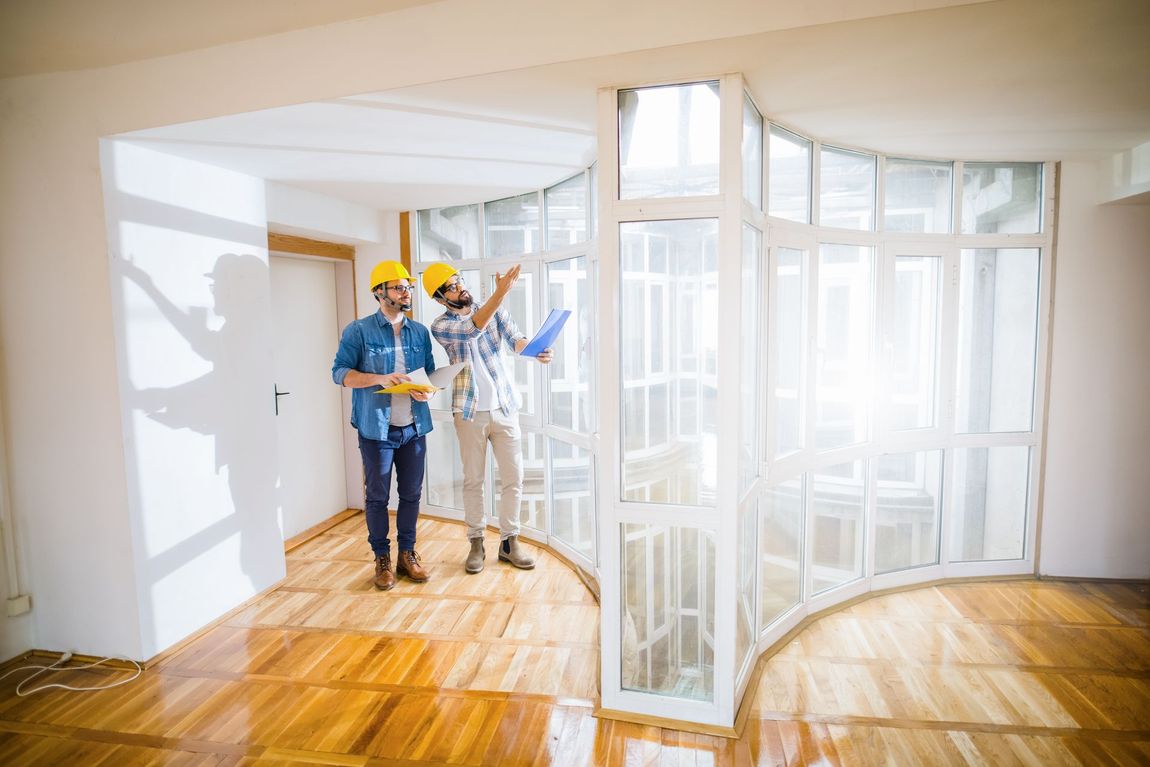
<point>343,258</point>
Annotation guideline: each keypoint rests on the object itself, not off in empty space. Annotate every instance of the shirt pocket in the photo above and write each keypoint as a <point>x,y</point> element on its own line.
<point>379,358</point>
<point>414,355</point>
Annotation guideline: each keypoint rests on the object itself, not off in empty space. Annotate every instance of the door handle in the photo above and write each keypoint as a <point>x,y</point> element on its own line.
<point>278,395</point>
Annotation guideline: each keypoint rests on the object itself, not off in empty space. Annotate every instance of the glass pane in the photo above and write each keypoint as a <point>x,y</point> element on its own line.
<point>789,322</point>
<point>427,309</point>
<point>997,339</point>
<point>749,336</point>
<point>1001,198</point>
<point>748,549</point>
<point>790,168</point>
<point>570,368</point>
<point>844,343</point>
<point>846,195</point>
<point>668,352</point>
<point>521,305</point>
<point>567,212</point>
<point>914,342</point>
<point>445,484</point>
<point>918,196</point>
<point>839,495</point>
<point>990,498</point>
<point>668,621</point>
<point>906,524</point>
<point>449,234</point>
<point>572,497</point>
<point>669,141</point>
<point>512,225</point>
<point>781,550</point>
<point>752,153</point>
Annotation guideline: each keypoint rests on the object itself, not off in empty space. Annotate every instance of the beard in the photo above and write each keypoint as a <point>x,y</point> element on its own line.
<point>464,299</point>
<point>403,306</point>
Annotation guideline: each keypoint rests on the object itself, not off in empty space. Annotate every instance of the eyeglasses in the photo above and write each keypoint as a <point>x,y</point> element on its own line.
<point>400,288</point>
<point>453,286</point>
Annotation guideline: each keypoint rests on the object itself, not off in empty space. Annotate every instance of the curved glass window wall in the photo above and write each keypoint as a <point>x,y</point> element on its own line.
<point>795,372</point>
<point>832,394</point>
<point>550,232</point>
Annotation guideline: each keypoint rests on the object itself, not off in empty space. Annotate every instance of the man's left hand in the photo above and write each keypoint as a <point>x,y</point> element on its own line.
<point>421,396</point>
<point>544,356</point>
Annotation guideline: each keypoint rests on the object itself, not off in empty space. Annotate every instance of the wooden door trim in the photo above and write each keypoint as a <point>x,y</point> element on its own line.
<point>305,246</point>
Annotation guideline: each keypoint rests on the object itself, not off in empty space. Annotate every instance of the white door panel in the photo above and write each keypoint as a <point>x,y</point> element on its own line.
<point>311,464</point>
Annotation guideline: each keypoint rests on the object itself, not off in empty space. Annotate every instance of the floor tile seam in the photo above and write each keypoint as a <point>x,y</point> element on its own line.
<point>430,691</point>
<point>847,660</point>
<point>483,639</point>
<point>843,617</point>
<point>123,738</point>
<point>437,597</point>
<point>850,720</point>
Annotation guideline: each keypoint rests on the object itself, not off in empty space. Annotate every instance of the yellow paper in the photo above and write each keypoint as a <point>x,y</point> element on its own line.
<point>420,381</point>
<point>406,388</point>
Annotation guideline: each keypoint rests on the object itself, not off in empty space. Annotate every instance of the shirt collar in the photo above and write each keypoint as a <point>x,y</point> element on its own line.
<point>384,322</point>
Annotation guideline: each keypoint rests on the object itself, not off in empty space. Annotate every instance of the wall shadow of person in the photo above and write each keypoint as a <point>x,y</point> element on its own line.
<point>223,404</point>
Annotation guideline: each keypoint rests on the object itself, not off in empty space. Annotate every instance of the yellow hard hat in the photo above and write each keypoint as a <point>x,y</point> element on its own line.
<point>435,275</point>
<point>386,271</point>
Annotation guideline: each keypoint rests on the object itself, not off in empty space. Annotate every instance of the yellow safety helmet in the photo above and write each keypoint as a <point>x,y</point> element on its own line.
<point>386,271</point>
<point>435,275</point>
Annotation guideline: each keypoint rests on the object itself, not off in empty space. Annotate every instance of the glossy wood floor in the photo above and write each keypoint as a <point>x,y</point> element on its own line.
<point>500,668</point>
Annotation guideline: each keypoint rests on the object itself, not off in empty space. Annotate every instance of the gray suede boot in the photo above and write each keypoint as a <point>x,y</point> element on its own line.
<point>509,551</point>
<point>475,558</point>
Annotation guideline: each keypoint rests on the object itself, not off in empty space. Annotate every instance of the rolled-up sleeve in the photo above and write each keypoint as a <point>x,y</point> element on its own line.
<point>508,328</point>
<point>347,357</point>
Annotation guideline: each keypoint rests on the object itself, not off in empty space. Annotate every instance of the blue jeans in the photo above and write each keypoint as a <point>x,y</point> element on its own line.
<point>406,451</point>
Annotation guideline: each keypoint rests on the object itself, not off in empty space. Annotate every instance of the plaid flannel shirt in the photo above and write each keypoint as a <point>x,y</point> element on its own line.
<point>454,332</point>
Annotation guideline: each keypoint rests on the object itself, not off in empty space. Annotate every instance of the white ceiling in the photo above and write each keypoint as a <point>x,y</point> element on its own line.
<point>400,150</point>
<point>38,36</point>
<point>1008,80</point>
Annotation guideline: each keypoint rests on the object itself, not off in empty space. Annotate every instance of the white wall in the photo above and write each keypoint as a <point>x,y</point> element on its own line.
<point>1096,511</point>
<point>192,317</point>
<point>307,214</point>
<point>67,474</point>
<point>1126,174</point>
<point>65,437</point>
<point>62,417</point>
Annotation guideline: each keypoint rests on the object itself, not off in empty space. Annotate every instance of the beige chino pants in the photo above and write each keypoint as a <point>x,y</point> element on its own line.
<point>502,431</point>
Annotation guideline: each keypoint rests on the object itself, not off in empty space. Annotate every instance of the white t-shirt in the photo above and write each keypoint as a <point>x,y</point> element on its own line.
<point>401,414</point>
<point>485,396</point>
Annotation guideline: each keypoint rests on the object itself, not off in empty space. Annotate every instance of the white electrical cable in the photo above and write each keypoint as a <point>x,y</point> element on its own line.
<point>20,692</point>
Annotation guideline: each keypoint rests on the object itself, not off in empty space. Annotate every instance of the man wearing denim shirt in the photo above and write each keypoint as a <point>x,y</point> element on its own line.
<point>484,402</point>
<point>375,352</point>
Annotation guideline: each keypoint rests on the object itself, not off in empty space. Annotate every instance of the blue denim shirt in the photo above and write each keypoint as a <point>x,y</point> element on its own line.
<point>368,345</point>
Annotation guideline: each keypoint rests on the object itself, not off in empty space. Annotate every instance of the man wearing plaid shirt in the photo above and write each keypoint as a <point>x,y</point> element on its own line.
<point>484,402</point>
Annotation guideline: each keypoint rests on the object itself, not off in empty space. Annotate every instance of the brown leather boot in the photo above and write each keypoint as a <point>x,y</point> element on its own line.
<point>384,576</point>
<point>510,551</point>
<point>474,561</point>
<point>410,566</point>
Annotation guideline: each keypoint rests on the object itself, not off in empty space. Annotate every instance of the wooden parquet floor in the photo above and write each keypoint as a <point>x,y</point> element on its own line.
<point>500,668</point>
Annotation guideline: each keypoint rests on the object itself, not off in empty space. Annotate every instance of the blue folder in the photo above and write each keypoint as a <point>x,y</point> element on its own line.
<point>547,334</point>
